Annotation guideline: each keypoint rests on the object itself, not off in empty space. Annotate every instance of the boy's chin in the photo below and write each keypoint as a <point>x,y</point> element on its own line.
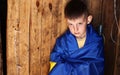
<point>77,36</point>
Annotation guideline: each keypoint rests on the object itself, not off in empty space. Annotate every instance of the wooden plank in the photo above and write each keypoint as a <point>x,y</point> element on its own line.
<point>35,37</point>
<point>118,45</point>
<point>117,52</point>
<point>57,14</point>
<point>63,21</point>
<point>108,19</point>
<point>18,37</point>
<point>46,21</point>
<point>95,7</point>
<point>117,56</point>
<point>12,18</point>
<point>23,52</point>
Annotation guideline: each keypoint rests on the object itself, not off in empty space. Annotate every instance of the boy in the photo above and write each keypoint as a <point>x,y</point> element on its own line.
<point>79,51</point>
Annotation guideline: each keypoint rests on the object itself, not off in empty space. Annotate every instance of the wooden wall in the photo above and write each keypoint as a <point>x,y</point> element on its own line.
<point>108,22</point>
<point>117,50</point>
<point>34,25</point>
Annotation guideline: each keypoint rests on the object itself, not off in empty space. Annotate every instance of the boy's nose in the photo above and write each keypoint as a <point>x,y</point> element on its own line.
<point>76,28</point>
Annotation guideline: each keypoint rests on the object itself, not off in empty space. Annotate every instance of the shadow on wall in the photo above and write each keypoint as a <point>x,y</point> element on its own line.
<point>3,15</point>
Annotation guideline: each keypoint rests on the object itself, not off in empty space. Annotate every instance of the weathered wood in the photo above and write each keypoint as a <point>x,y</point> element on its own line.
<point>12,18</point>
<point>56,20</point>
<point>63,24</point>
<point>18,37</point>
<point>34,25</point>
<point>46,22</point>
<point>118,47</point>
<point>23,37</point>
<point>117,51</point>
<point>95,8</point>
<point>108,21</point>
<point>35,37</point>
<point>117,56</point>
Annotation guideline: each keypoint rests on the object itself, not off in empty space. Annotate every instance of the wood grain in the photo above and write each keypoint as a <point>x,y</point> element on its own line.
<point>18,37</point>
<point>34,25</point>
<point>46,22</point>
<point>23,38</point>
<point>35,37</point>
<point>12,34</point>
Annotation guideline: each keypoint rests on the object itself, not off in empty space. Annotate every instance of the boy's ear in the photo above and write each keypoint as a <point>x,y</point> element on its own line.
<point>89,19</point>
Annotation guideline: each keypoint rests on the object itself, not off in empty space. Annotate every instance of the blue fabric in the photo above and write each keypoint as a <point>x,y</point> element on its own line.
<point>72,60</point>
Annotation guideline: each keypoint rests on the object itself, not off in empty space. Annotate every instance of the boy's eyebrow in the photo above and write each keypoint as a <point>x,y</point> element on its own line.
<point>69,23</point>
<point>80,22</point>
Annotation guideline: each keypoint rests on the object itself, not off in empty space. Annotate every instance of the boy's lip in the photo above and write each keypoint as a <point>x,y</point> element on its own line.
<point>77,33</point>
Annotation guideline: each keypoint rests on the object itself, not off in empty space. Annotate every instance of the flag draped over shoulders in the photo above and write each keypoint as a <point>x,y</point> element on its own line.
<point>72,60</point>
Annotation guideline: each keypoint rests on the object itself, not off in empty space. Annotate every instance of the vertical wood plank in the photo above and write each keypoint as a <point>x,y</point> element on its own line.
<point>63,22</point>
<point>11,36</point>
<point>117,52</point>
<point>117,56</point>
<point>108,21</point>
<point>46,21</point>
<point>57,14</point>
<point>35,37</point>
<point>24,37</point>
<point>18,37</point>
<point>118,45</point>
<point>95,7</point>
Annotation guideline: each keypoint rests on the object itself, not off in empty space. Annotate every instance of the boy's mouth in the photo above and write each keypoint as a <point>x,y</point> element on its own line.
<point>79,35</point>
<point>76,32</point>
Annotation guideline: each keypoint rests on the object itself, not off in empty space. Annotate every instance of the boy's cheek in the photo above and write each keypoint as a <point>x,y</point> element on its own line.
<point>70,28</point>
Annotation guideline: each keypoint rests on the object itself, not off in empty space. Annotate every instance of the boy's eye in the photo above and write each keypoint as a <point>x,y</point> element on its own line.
<point>80,23</point>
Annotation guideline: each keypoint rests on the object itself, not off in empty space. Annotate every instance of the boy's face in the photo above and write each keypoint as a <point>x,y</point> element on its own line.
<point>78,26</point>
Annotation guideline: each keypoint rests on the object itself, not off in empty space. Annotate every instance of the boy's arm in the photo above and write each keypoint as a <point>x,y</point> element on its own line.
<point>55,55</point>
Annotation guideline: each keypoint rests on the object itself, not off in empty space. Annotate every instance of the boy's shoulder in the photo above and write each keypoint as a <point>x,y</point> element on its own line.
<point>93,34</point>
<point>64,36</point>
<point>61,41</point>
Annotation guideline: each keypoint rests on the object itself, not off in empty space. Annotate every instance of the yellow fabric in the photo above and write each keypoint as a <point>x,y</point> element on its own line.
<point>80,44</point>
<point>52,64</point>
